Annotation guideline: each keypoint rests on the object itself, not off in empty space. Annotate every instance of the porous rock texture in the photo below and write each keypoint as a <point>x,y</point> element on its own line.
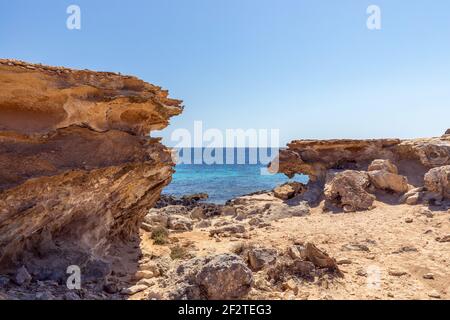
<point>392,165</point>
<point>78,169</point>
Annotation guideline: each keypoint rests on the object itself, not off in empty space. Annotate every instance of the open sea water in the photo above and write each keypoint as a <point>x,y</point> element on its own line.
<point>223,182</point>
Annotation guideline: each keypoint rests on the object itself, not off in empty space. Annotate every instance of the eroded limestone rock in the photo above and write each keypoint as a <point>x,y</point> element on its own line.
<point>391,164</point>
<point>383,174</point>
<point>347,189</point>
<point>77,168</point>
<point>437,180</point>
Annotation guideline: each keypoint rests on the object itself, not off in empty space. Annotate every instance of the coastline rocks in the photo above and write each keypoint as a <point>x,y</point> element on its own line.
<point>347,189</point>
<point>188,203</point>
<point>225,277</point>
<point>392,165</point>
<point>78,170</point>
<point>185,201</point>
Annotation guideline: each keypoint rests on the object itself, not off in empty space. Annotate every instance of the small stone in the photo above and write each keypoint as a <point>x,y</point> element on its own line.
<point>361,273</point>
<point>295,253</point>
<point>428,276</point>
<point>180,223</point>
<point>146,282</point>
<point>110,288</point>
<point>304,268</point>
<point>134,289</point>
<point>443,239</point>
<point>146,227</point>
<point>405,249</point>
<point>413,200</point>
<point>197,213</point>
<point>397,273</point>
<point>290,285</point>
<point>144,274</point>
<point>344,261</point>
<point>355,247</point>
<point>203,224</point>
<point>22,276</point>
<point>260,258</point>
<point>228,211</point>
<point>409,220</point>
<point>426,212</point>
<point>434,294</point>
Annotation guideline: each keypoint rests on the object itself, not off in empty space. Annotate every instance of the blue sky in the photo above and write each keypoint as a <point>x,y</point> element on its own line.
<point>309,68</point>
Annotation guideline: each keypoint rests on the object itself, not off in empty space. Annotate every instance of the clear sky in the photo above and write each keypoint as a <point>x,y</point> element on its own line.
<point>310,68</point>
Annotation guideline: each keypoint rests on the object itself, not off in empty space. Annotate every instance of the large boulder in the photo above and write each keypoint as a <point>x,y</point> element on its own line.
<point>224,277</point>
<point>383,174</point>
<point>383,165</point>
<point>388,181</point>
<point>347,189</point>
<point>437,181</point>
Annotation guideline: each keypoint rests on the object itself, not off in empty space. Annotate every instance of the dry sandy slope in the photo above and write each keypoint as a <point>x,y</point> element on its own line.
<point>383,230</point>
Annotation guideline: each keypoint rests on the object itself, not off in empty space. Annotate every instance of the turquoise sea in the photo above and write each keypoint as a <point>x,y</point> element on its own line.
<point>223,182</point>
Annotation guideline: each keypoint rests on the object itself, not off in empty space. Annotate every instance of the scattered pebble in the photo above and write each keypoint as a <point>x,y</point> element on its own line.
<point>428,276</point>
<point>434,294</point>
<point>397,273</point>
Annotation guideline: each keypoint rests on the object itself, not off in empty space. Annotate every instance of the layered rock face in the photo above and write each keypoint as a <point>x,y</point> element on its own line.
<point>350,171</point>
<point>77,168</point>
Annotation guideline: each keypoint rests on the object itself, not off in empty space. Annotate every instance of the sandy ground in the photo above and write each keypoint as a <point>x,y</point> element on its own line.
<point>399,251</point>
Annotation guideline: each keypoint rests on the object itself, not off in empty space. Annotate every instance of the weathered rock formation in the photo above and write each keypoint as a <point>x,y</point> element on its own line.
<point>77,167</point>
<point>437,180</point>
<point>351,171</point>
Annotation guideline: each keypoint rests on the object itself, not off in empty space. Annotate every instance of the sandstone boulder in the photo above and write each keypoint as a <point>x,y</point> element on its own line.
<point>383,165</point>
<point>437,180</point>
<point>347,189</point>
<point>385,180</point>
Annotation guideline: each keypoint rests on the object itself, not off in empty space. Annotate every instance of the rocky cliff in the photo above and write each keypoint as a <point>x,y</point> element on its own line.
<point>353,173</point>
<point>78,170</point>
